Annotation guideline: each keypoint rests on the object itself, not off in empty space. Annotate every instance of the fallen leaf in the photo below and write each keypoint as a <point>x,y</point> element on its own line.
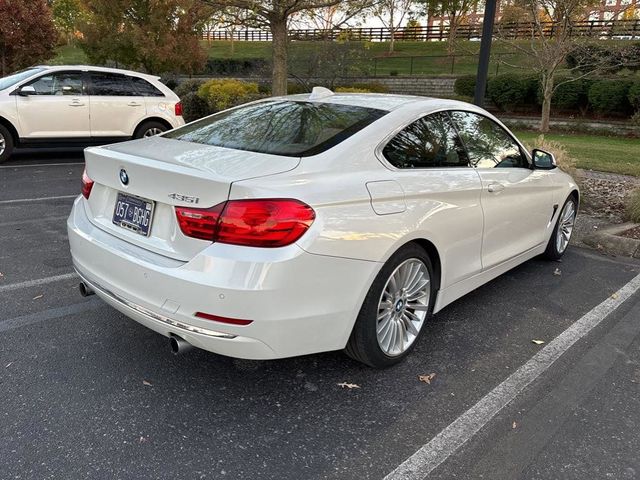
<point>8,365</point>
<point>38,296</point>
<point>614,296</point>
<point>538,342</point>
<point>514,425</point>
<point>348,385</point>
<point>557,272</point>
<point>142,440</point>
<point>427,378</point>
<point>144,382</point>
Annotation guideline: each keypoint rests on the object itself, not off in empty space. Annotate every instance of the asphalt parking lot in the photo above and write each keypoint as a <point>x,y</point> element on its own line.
<point>87,393</point>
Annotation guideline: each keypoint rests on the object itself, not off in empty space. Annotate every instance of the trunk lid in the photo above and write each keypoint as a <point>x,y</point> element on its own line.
<point>169,173</point>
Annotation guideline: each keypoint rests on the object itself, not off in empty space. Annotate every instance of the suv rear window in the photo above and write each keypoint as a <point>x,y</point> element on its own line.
<point>280,127</point>
<point>144,88</point>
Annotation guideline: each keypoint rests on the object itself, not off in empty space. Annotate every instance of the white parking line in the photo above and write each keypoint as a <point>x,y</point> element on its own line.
<point>39,199</point>
<point>463,428</point>
<point>34,283</point>
<point>41,165</point>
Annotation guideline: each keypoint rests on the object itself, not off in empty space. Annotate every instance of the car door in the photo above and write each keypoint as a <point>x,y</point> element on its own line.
<point>116,106</point>
<point>57,107</point>
<point>441,192</point>
<point>516,200</point>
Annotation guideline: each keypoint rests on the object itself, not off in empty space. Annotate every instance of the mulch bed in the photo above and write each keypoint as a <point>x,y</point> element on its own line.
<point>631,233</point>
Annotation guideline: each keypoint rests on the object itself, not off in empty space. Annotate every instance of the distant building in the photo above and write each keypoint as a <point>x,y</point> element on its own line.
<point>607,10</point>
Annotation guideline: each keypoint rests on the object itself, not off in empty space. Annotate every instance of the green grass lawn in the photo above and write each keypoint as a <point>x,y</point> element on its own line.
<point>376,55</point>
<point>605,154</point>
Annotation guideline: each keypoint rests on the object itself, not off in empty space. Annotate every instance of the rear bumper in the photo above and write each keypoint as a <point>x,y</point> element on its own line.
<point>300,303</point>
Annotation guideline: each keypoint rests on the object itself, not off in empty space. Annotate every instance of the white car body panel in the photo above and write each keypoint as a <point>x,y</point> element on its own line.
<point>84,116</point>
<point>305,297</point>
<point>53,116</point>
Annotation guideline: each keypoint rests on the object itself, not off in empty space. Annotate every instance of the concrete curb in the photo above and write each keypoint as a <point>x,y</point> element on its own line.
<point>608,240</point>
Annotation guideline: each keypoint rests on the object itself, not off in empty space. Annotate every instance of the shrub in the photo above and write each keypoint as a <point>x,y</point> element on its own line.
<point>394,73</point>
<point>564,160</point>
<point>465,86</point>
<point>170,79</point>
<point>570,95</point>
<point>188,86</point>
<point>351,90</point>
<point>511,90</point>
<point>632,207</point>
<point>609,96</point>
<point>295,88</point>
<point>634,95</point>
<point>374,87</point>
<point>242,67</point>
<point>194,107</point>
<point>222,94</point>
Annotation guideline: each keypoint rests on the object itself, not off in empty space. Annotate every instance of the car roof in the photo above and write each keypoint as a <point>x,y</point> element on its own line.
<point>98,69</point>
<point>389,102</point>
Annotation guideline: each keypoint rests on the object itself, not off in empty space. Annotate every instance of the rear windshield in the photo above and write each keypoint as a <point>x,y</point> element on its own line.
<point>280,127</point>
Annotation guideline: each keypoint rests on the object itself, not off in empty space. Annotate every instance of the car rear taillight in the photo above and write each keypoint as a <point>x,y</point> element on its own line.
<point>87,185</point>
<point>178,109</point>
<point>253,223</point>
<point>199,223</point>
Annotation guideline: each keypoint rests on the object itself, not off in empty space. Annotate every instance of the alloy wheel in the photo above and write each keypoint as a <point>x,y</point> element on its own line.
<point>565,226</point>
<point>151,132</point>
<point>3,144</point>
<point>403,307</point>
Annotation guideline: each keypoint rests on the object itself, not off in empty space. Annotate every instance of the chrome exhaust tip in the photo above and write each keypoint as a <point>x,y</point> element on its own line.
<point>179,345</point>
<point>85,290</point>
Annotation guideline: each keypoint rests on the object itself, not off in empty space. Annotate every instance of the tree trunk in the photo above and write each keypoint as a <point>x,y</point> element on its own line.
<point>547,93</point>
<point>453,30</point>
<point>279,75</point>
<point>392,42</point>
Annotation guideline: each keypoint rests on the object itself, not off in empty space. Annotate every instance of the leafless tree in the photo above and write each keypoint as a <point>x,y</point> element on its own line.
<point>275,15</point>
<point>546,53</point>
<point>392,13</point>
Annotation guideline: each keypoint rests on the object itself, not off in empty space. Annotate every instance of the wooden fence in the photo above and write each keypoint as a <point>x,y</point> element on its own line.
<point>597,29</point>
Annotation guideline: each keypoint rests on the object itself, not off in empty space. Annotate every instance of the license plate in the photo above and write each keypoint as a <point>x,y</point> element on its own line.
<point>133,213</point>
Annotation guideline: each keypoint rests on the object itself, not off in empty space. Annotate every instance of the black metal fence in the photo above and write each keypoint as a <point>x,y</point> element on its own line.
<point>597,29</point>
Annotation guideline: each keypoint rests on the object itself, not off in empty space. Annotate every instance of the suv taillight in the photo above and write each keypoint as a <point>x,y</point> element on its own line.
<point>178,109</point>
<point>253,223</point>
<point>87,185</point>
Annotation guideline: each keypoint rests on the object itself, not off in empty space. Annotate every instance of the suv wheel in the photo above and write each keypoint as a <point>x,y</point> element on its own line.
<point>150,129</point>
<point>6,144</point>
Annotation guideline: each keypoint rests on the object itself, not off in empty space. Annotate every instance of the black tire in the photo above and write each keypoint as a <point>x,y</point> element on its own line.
<point>145,127</point>
<point>552,252</point>
<point>363,344</point>
<point>6,144</point>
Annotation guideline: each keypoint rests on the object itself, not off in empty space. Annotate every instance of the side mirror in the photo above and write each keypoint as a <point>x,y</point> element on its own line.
<point>26,91</point>
<point>543,160</point>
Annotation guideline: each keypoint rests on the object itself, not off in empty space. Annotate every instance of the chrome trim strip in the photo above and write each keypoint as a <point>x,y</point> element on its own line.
<point>153,315</point>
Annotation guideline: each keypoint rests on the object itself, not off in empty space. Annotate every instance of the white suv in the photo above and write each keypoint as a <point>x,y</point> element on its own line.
<point>80,105</point>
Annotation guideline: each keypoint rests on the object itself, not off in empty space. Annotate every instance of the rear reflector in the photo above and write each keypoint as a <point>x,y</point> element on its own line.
<point>254,223</point>
<point>178,109</point>
<point>87,185</point>
<point>216,318</point>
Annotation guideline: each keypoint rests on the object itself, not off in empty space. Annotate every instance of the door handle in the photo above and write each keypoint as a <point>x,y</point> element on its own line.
<point>134,104</point>
<point>495,187</point>
<point>76,103</point>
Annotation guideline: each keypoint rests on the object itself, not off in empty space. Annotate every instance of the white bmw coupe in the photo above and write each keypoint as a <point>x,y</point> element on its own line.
<point>310,223</point>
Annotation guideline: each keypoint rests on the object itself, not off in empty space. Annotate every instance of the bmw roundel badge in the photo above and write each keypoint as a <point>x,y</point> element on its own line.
<point>124,178</point>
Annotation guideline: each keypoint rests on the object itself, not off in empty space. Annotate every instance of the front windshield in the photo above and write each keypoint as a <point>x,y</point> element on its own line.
<point>10,80</point>
<point>280,127</point>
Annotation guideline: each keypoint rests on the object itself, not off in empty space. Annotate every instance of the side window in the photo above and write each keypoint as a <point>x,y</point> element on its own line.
<point>488,144</point>
<point>59,83</point>
<point>144,88</point>
<point>112,85</point>
<point>427,143</point>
